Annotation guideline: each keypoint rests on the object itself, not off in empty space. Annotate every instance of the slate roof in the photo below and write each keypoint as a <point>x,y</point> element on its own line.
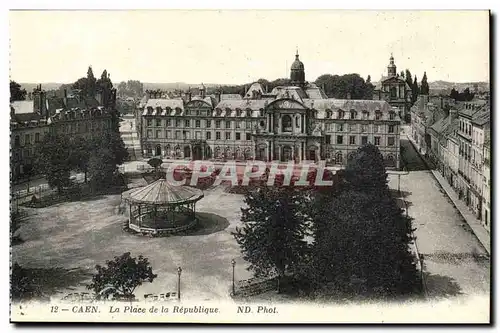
<point>224,97</point>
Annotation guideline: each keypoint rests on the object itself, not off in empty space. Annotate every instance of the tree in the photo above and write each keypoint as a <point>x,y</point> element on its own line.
<point>16,93</point>
<point>424,86</point>
<point>121,276</point>
<point>272,237</point>
<point>415,90</point>
<point>91,82</point>
<point>80,154</point>
<point>366,170</point>
<point>345,86</point>
<point>361,247</point>
<point>53,158</point>
<point>101,168</point>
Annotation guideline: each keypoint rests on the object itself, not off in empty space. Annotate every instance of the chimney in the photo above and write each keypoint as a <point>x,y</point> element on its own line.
<point>217,96</point>
<point>453,115</point>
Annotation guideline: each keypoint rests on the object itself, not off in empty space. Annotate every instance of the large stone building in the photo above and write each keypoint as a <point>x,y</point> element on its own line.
<point>296,122</point>
<point>394,89</point>
<point>73,115</point>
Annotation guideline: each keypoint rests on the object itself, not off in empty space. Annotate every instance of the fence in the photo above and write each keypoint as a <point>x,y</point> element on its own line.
<point>26,195</point>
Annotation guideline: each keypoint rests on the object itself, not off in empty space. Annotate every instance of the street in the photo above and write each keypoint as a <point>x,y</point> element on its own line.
<point>454,259</point>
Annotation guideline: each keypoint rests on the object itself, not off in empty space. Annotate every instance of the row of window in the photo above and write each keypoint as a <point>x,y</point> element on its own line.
<point>365,115</point>
<point>364,128</point>
<point>391,141</point>
<point>198,123</point>
<point>186,135</point>
<point>27,139</point>
<point>465,128</point>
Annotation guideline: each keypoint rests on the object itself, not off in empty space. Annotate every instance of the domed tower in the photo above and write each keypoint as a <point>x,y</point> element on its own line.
<point>391,69</point>
<point>297,74</point>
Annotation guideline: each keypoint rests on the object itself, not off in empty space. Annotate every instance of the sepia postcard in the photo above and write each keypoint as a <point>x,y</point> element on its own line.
<point>250,166</point>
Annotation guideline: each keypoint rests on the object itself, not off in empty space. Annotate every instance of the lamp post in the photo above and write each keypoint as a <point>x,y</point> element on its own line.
<point>233,263</point>
<point>179,271</point>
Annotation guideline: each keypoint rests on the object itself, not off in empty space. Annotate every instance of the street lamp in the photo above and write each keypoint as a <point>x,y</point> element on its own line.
<point>233,263</point>
<point>179,271</point>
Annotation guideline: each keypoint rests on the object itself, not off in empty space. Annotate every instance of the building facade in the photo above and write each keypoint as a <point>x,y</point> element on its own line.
<point>290,123</point>
<point>394,89</point>
<point>486,186</point>
<point>73,115</point>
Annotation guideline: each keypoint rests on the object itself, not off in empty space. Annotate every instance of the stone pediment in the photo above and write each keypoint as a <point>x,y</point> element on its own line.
<point>286,104</point>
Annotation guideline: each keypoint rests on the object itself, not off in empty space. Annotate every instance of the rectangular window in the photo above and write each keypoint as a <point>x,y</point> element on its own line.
<point>197,123</point>
<point>158,122</point>
<point>169,123</point>
<point>217,124</point>
<point>340,127</point>
<point>169,134</point>
<point>27,139</point>
<point>238,136</point>
<point>248,136</point>
<point>217,135</point>
<point>352,140</point>
<point>186,123</point>
<point>364,128</point>
<point>177,135</point>
<point>228,124</point>
<point>150,133</point>
<point>378,115</point>
<point>328,139</point>
<point>198,135</point>
<point>364,140</point>
<point>209,123</point>
<point>340,139</point>
<point>390,141</point>
<point>377,141</point>
<point>391,128</point>
<point>37,137</point>
<point>158,134</point>
<point>149,122</point>
<point>237,124</point>
<point>178,123</point>
<point>209,135</point>
<point>228,135</point>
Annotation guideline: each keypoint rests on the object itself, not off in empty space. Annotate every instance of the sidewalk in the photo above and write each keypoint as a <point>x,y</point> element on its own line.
<point>479,231</point>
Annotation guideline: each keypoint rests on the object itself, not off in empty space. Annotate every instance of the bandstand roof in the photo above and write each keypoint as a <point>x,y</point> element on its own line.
<point>161,192</point>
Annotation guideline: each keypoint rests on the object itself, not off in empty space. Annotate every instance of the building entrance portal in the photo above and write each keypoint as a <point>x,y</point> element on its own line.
<point>286,154</point>
<point>197,152</point>
<point>158,151</point>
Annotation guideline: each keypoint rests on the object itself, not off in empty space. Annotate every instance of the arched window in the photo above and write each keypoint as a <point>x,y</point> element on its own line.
<point>353,114</point>
<point>328,114</point>
<point>340,114</point>
<point>394,92</point>
<point>286,123</point>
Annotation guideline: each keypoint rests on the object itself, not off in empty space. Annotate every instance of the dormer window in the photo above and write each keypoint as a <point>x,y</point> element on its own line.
<point>365,115</point>
<point>340,114</point>
<point>378,115</point>
<point>219,112</point>
<point>238,113</point>
<point>392,115</point>
<point>353,114</point>
<point>261,113</point>
<point>329,114</point>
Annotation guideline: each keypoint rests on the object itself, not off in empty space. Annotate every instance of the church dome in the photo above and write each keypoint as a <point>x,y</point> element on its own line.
<point>297,64</point>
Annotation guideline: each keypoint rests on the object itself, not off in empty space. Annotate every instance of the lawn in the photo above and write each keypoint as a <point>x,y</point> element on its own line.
<point>75,236</point>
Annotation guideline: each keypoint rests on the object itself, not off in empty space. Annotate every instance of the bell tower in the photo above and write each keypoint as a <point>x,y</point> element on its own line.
<point>391,69</point>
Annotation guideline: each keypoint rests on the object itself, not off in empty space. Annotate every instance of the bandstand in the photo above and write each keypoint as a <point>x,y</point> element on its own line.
<point>161,209</point>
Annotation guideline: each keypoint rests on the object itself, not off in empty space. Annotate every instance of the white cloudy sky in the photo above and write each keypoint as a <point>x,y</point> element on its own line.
<point>242,46</point>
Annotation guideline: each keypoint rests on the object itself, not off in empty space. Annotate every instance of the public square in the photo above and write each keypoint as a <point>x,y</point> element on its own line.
<point>69,239</point>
